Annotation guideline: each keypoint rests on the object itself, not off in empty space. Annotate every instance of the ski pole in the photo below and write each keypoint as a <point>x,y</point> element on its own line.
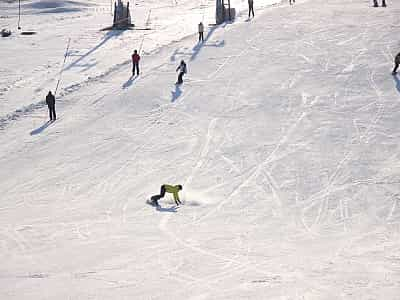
<point>62,67</point>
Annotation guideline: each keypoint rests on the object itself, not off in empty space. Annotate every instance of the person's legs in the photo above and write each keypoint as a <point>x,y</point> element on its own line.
<point>202,36</point>
<point>395,68</point>
<point>383,3</point>
<point>252,10</point>
<point>162,191</point>
<point>180,79</point>
<point>133,69</point>
<point>375,3</point>
<point>137,68</point>
<point>52,113</point>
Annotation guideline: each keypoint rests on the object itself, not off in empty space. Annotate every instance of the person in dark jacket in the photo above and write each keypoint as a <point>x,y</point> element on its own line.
<point>51,104</point>
<point>376,3</point>
<point>201,32</point>
<point>182,71</point>
<point>135,62</point>
<point>396,63</point>
<point>166,188</point>
<point>251,8</point>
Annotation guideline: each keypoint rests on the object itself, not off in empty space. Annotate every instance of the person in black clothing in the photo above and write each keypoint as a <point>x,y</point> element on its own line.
<point>51,104</point>
<point>396,63</point>
<point>376,3</point>
<point>182,71</point>
<point>251,8</point>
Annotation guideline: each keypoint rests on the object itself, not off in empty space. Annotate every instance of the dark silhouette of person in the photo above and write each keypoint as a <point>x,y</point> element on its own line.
<point>182,71</point>
<point>251,8</point>
<point>201,32</point>
<point>135,62</point>
<point>292,2</point>
<point>51,104</point>
<point>396,63</point>
<point>376,3</point>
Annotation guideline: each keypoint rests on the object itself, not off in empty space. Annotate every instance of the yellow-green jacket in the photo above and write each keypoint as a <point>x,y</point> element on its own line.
<point>173,189</point>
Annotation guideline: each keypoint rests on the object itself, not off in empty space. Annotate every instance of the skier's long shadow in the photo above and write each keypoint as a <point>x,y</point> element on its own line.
<point>177,93</point>
<point>129,82</point>
<point>41,128</point>
<point>107,36</point>
<point>397,80</point>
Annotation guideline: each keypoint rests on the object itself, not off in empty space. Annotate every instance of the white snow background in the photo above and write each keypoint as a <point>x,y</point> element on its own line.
<point>285,136</point>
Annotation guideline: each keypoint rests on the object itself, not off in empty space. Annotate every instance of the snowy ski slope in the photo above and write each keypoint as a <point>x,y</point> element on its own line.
<point>285,136</point>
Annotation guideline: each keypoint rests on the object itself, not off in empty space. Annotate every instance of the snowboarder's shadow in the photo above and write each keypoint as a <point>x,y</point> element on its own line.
<point>41,128</point>
<point>397,81</point>
<point>172,209</point>
<point>129,82</point>
<point>177,93</point>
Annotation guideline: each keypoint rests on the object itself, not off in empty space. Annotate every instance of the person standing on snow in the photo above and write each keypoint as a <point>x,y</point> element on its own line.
<point>201,32</point>
<point>251,8</point>
<point>292,2</point>
<point>51,104</point>
<point>166,188</point>
<point>182,71</point>
<point>396,63</point>
<point>135,62</point>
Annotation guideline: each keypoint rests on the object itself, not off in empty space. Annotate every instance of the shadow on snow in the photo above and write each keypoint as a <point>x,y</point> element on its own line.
<point>108,36</point>
<point>41,128</point>
<point>177,93</point>
<point>397,81</point>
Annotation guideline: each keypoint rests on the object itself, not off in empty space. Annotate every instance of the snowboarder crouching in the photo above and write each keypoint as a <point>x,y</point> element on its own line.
<point>51,104</point>
<point>396,63</point>
<point>166,188</point>
<point>182,71</point>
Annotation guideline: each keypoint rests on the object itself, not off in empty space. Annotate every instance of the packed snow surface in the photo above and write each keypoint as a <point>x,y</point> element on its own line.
<point>284,135</point>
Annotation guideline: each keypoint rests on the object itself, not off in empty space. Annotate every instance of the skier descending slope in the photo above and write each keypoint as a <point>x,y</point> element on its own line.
<point>166,188</point>
<point>182,71</point>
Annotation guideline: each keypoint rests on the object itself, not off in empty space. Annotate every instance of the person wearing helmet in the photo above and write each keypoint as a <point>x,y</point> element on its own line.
<point>166,188</point>
<point>182,71</point>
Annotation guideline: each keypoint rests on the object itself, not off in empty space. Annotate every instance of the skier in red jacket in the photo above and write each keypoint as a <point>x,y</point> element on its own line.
<point>135,62</point>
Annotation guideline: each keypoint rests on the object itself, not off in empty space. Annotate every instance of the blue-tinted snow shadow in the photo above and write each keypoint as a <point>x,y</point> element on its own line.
<point>177,93</point>
<point>397,81</point>
<point>129,82</point>
<point>172,209</point>
<point>41,128</point>
<point>197,48</point>
<point>108,36</point>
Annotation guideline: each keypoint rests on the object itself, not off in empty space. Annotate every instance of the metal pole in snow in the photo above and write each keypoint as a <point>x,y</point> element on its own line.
<point>62,67</point>
<point>19,14</point>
